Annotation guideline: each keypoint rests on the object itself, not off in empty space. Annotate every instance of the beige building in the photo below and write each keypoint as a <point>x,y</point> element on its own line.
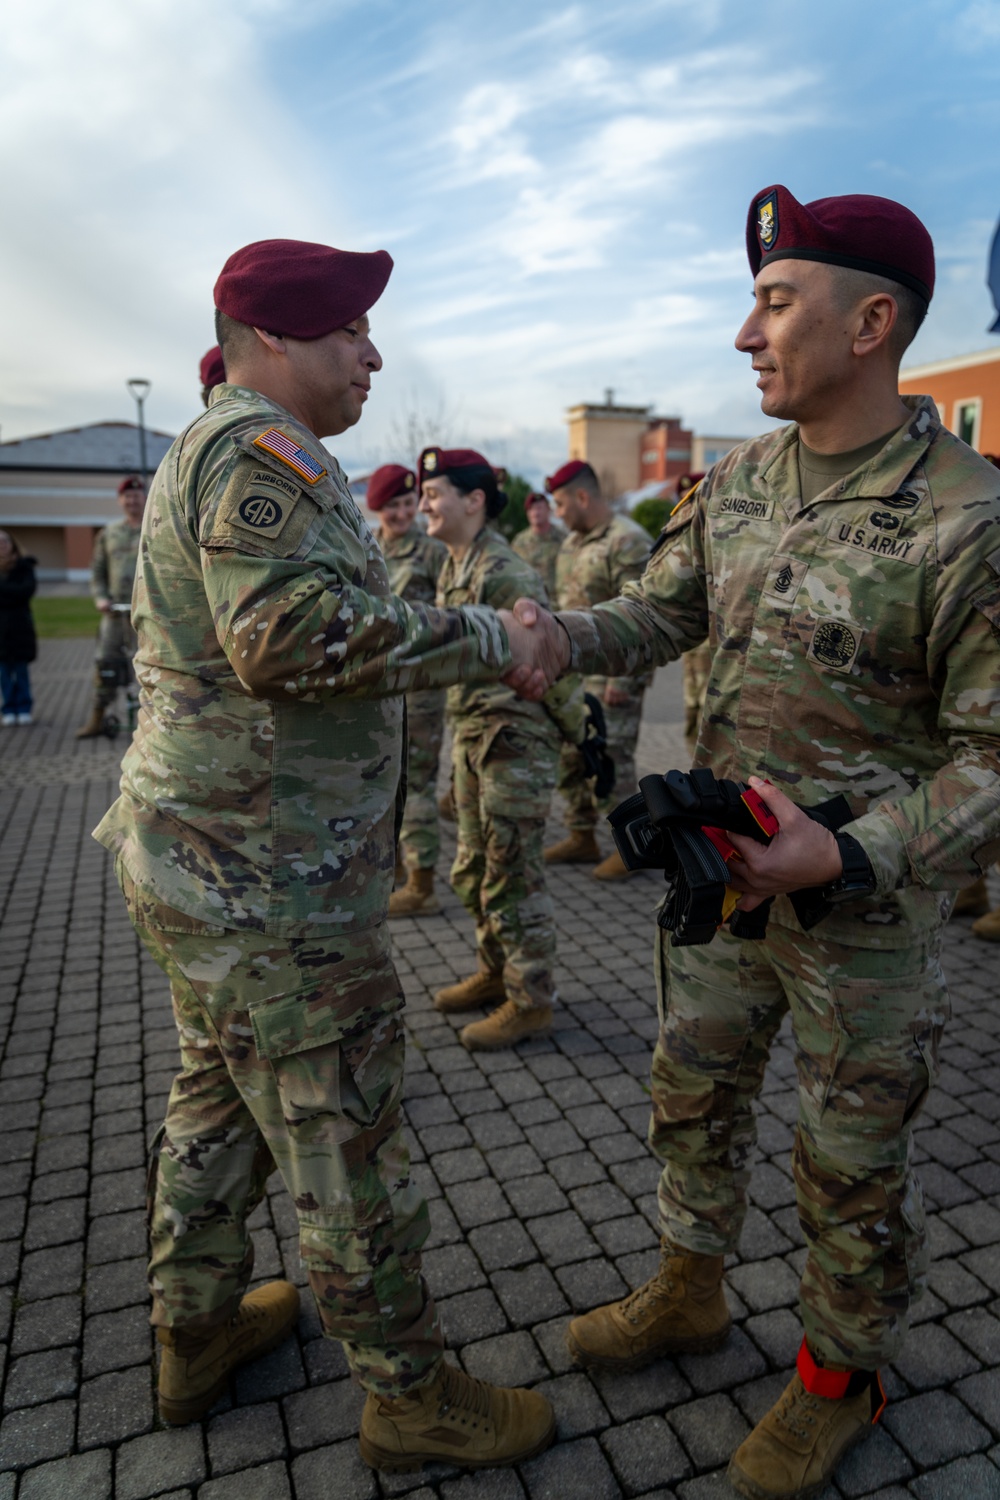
<point>58,489</point>
<point>630,449</point>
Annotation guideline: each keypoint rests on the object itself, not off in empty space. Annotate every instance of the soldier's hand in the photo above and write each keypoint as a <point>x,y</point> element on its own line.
<point>539,646</point>
<point>104,605</point>
<point>802,853</point>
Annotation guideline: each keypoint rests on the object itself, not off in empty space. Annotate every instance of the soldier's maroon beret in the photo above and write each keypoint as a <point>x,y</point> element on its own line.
<point>536,498</point>
<point>859,231</point>
<point>567,474</point>
<point>435,461</point>
<point>299,289</point>
<point>212,370</point>
<point>388,482</point>
<point>130,482</point>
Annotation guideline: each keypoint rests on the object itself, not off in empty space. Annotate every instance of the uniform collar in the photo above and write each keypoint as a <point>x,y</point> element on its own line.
<point>884,474</point>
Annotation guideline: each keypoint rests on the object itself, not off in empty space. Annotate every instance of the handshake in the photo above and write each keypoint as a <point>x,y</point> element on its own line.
<point>539,646</point>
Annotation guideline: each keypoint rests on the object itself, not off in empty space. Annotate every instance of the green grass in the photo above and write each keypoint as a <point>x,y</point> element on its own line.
<point>56,618</point>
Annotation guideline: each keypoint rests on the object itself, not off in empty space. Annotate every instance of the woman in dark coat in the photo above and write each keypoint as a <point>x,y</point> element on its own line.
<point>18,645</point>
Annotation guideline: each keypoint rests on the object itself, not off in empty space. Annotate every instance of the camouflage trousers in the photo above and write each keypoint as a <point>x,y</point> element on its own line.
<point>866,1026</point>
<point>420,835</point>
<point>291,1056</point>
<point>582,808</point>
<point>116,646</point>
<point>697,664</point>
<point>503,786</point>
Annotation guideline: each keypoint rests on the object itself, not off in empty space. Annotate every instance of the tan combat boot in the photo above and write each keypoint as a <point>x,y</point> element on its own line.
<point>681,1310</point>
<point>467,994</point>
<point>793,1451</point>
<point>455,1420</point>
<point>612,868</point>
<point>94,725</point>
<point>505,1026</point>
<point>194,1369</point>
<point>416,898</point>
<point>974,901</point>
<point>988,927</point>
<point>580,848</point>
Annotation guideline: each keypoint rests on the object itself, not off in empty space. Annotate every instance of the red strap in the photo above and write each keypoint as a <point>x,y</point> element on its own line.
<point>820,1382</point>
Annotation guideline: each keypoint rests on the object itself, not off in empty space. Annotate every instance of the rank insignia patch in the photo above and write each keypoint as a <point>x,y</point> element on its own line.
<point>767,221</point>
<point>835,644</point>
<point>298,460</point>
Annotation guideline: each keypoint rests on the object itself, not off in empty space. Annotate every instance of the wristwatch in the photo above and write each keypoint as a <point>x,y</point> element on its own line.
<point>857,877</point>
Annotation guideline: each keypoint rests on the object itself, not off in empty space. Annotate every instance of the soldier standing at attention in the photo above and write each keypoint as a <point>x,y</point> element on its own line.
<point>602,553</point>
<point>112,574</point>
<point>846,570</point>
<point>504,753</point>
<point>538,544</point>
<point>414,561</point>
<point>254,842</point>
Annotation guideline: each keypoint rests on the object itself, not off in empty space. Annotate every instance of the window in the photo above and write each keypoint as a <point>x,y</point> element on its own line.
<point>967,415</point>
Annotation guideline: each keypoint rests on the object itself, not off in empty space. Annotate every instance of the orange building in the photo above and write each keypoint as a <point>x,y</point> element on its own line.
<point>966,391</point>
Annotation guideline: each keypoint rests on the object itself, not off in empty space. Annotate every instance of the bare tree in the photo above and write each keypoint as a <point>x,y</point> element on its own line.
<point>425,418</point>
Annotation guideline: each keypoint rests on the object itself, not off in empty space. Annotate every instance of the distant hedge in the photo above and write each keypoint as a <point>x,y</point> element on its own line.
<point>653,514</point>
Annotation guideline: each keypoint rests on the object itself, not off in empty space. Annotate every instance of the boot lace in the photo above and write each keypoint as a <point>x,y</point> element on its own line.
<point>660,1288</point>
<point>797,1411</point>
<point>463,1393</point>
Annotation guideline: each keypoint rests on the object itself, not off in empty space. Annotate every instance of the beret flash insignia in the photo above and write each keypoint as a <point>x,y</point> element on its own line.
<point>767,221</point>
<point>430,462</point>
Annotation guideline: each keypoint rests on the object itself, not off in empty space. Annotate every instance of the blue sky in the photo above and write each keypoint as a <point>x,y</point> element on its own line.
<point>563,187</point>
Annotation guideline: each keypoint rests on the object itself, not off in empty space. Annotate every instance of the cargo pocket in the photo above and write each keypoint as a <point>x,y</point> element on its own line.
<point>883,1060</point>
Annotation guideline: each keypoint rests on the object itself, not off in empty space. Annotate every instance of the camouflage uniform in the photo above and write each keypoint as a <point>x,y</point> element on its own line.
<point>414,562</point>
<point>593,566</point>
<point>855,648</point>
<point>540,552</point>
<point>504,753</point>
<point>254,838</point>
<point>112,574</point>
<point>696,663</point>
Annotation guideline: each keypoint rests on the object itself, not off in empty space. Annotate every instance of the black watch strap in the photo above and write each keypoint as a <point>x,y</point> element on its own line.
<point>857,877</point>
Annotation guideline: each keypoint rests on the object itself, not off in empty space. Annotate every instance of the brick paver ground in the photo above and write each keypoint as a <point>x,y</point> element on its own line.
<point>541,1187</point>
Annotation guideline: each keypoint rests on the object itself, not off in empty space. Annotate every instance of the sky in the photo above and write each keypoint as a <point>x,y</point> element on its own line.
<point>563,188</point>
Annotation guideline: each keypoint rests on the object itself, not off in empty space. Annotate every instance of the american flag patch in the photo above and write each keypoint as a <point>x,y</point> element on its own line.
<point>274,441</point>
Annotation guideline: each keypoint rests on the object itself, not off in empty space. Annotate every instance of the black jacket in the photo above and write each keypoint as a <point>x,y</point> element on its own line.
<point>17,629</point>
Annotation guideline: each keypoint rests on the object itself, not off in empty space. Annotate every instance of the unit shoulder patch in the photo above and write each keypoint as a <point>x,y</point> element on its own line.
<point>282,447</point>
<point>263,507</point>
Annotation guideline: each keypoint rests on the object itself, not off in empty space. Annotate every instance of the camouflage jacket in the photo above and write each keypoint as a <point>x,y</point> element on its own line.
<point>593,566</point>
<point>855,648</point>
<point>259,789</point>
<point>112,568</point>
<point>414,561</point>
<point>540,552</point>
<point>490,573</point>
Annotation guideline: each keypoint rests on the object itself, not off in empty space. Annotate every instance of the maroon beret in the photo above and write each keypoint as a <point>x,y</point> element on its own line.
<point>535,497</point>
<point>435,461</point>
<point>130,482</point>
<point>567,474</point>
<point>298,289</point>
<point>211,369</point>
<point>857,231</point>
<point>388,482</point>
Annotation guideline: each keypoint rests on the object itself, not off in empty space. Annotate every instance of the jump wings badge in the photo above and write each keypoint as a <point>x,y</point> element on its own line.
<point>767,222</point>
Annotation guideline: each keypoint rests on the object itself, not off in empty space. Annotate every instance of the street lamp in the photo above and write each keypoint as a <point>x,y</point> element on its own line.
<point>139,390</point>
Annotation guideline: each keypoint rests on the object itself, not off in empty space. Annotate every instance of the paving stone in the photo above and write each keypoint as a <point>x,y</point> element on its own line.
<point>243,1438</point>
<point>736,1362</point>
<point>645,1453</point>
<point>981,1393</point>
<point>114,1407</point>
<point>590,1283</point>
<point>935,1427</point>
<point>323,1414</point>
<point>115,1237</point>
<point>47,1325</point>
<point>471,1316</point>
<point>561,1238</point>
<point>32,1434</point>
<point>35,1378</point>
<point>111,1341</point>
<point>637,1393</point>
<point>479,1202</point>
<point>529,1295</point>
<point>160,1460</point>
<point>508,1359</point>
<point>501,1245</point>
<point>577,1170</point>
<point>765,1284</point>
<point>273,1375</point>
<point>338,1470</point>
<point>117,1284</point>
<point>979,1331</point>
<point>875,1463</point>
<point>932,1357</point>
<point>450,1269</point>
<point>82,1476</point>
<point>578,1407</point>
<point>48,1273</point>
<point>571,1469</point>
<point>268,1482</point>
<point>965,1479</point>
<point>711,1429</point>
<point>485,1484</point>
<point>537,1196</point>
